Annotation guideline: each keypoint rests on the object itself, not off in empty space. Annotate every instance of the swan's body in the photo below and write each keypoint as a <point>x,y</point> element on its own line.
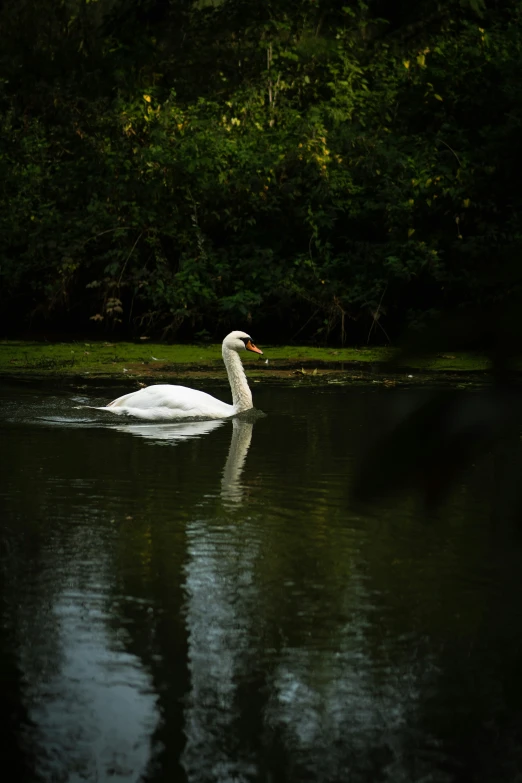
<point>165,401</point>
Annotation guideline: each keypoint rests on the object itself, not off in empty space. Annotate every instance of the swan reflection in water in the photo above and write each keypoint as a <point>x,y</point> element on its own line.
<point>321,699</point>
<point>242,427</point>
<point>163,433</point>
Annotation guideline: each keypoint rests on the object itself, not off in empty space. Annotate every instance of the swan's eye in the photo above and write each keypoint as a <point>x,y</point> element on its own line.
<point>246,340</point>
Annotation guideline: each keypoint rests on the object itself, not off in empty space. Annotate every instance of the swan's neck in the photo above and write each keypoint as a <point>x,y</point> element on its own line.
<point>241,394</point>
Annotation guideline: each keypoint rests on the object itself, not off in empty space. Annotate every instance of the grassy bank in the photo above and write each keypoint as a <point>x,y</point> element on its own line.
<point>153,362</point>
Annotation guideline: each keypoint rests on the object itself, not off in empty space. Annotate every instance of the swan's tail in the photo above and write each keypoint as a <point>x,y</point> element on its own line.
<point>99,408</point>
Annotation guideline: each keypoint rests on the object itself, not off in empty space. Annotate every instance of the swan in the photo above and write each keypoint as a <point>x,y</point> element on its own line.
<point>166,401</point>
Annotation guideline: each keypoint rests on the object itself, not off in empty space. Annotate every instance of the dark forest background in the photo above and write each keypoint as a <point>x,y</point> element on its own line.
<point>317,169</point>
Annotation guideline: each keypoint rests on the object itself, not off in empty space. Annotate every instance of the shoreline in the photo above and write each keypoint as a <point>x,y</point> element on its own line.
<point>144,363</point>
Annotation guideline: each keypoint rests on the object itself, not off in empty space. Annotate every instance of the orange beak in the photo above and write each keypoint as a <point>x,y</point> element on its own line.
<point>251,347</point>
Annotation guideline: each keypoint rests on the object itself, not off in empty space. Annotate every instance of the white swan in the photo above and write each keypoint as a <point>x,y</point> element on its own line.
<point>165,401</point>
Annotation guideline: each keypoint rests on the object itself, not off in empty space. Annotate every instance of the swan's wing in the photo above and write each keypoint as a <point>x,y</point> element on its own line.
<point>178,400</point>
<point>149,397</point>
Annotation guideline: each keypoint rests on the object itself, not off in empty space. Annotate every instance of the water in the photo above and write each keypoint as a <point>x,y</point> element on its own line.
<point>203,602</point>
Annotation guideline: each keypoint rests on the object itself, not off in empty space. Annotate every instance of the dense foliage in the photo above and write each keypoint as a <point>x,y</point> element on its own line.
<point>317,168</point>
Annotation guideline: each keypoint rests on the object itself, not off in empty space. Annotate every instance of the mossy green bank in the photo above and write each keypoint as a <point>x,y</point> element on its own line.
<point>153,362</point>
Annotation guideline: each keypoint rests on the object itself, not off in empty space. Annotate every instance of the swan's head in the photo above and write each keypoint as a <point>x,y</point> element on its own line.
<point>240,341</point>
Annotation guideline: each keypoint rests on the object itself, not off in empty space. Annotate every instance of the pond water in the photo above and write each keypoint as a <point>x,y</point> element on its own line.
<point>203,602</point>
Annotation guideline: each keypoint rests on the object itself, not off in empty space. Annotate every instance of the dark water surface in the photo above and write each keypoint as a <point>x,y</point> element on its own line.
<point>202,602</point>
